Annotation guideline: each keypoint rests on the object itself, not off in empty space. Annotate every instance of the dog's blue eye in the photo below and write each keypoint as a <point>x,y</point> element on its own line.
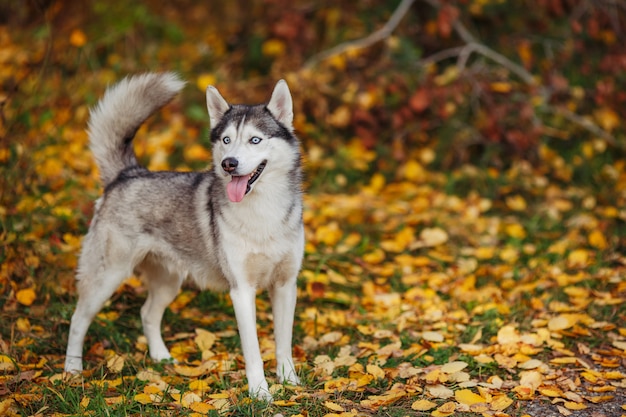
<point>226,140</point>
<point>255,140</point>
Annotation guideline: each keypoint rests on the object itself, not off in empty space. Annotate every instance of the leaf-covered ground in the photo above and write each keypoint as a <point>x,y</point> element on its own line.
<point>465,225</point>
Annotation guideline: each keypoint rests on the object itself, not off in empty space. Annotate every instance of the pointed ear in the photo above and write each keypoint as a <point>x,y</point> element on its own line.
<point>280,104</point>
<point>216,105</point>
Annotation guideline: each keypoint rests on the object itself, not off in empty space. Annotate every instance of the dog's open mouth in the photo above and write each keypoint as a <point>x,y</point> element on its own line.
<point>240,185</point>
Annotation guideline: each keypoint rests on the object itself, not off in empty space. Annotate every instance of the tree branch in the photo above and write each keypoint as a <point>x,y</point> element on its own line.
<point>440,56</point>
<point>472,45</point>
<point>584,123</point>
<point>367,41</point>
<point>518,70</point>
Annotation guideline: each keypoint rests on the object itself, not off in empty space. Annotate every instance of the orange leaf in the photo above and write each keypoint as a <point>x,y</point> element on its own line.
<point>420,100</point>
<point>26,296</point>
<point>597,240</point>
<point>78,38</point>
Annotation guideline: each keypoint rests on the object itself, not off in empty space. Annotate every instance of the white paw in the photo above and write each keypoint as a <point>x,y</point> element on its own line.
<point>291,379</point>
<point>158,355</point>
<point>260,391</point>
<point>73,364</point>
<point>287,374</point>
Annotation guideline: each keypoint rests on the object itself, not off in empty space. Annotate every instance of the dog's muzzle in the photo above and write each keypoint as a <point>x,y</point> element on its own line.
<point>240,185</point>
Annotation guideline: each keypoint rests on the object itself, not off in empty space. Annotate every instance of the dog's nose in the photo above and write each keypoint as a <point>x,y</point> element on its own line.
<point>230,164</point>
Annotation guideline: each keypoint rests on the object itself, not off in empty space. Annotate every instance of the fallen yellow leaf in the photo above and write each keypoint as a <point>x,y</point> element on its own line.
<point>619,344</point>
<point>423,405</point>
<point>508,334</point>
<point>600,399</point>
<point>440,391</point>
<point>500,403</point>
<point>375,257</point>
<point>578,258</point>
<point>413,171</point>
<point>26,296</point>
<point>562,322</point>
<point>375,370</point>
<point>149,375</point>
<point>467,397</point>
<point>571,405</point>
<point>204,339</point>
<point>530,364</point>
<point>515,230</point>
<point>597,240</point>
<point>284,403</point>
<point>445,410</point>
<point>6,405</point>
<point>551,392</point>
<point>434,236</point>
<point>433,336</point>
<point>194,371</point>
<point>115,363</point>
<point>532,379</point>
<point>84,403</point>
<point>143,398</point>
<point>500,87</point>
<point>331,406</point>
<point>273,47</point>
<point>200,385</point>
<point>516,203</point>
<point>607,118</point>
<point>589,376</point>
<point>201,407</point>
<point>452,367</point>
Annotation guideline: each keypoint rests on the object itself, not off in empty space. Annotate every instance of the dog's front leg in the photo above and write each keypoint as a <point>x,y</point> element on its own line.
<point>283,309</point>
<point>243,297</point>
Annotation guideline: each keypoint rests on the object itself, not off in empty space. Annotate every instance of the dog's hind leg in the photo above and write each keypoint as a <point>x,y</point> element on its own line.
<point>163,287</point>
<point>283,308</point>
<point>93,292</point>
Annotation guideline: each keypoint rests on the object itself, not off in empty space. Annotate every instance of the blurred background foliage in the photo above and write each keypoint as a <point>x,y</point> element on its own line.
<point>458,83</point>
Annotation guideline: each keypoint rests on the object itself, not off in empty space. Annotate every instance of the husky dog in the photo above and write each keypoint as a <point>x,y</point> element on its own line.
<point>235,227</point>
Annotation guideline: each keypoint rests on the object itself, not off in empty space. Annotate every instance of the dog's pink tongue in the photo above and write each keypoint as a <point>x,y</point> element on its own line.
<point>236,188</point>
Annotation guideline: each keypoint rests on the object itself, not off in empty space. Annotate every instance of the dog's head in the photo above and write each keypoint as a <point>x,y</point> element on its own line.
<point>251,141</point>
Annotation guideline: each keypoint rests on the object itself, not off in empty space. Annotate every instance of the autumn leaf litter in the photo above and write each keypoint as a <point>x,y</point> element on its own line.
<point>491,292</point>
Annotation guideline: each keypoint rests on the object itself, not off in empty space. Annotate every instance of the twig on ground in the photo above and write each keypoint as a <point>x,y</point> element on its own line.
<point>367,41</point>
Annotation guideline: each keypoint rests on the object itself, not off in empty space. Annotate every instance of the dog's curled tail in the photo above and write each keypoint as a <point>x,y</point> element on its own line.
<point>117,116</point>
